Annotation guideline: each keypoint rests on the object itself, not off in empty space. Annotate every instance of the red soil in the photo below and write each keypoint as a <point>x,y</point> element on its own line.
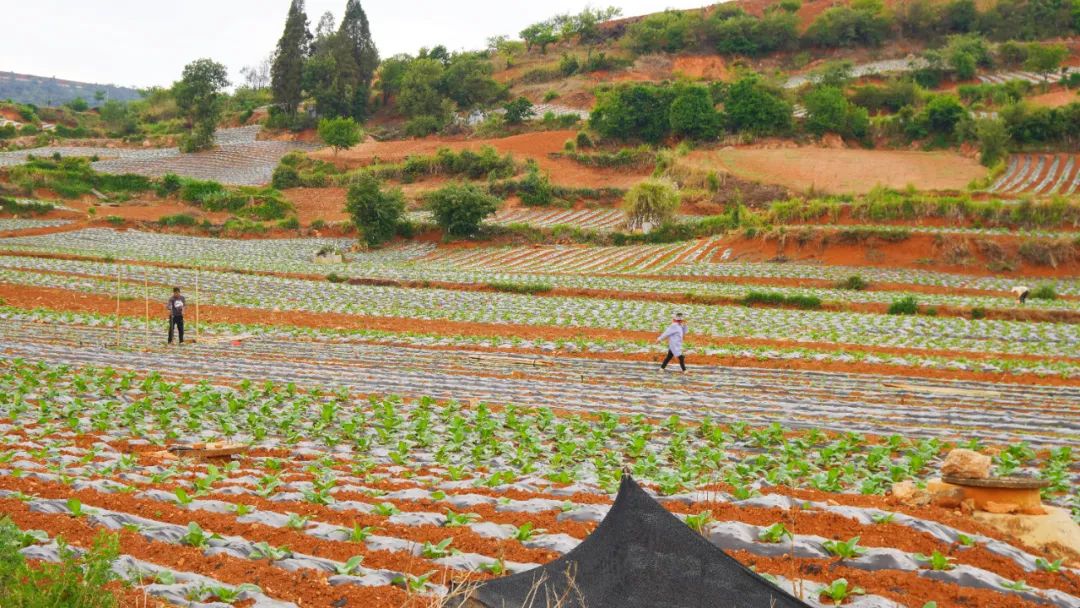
<point>845,171</point>
<point>1054,99</point>
<point>535,145</point>
<point>327,204</point>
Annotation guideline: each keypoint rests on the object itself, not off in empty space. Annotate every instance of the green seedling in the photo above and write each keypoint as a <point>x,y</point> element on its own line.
<point>297,522</point>
<point>965,540</point>
<point>76,507</point>
<point>435,551</point>
<point>385,509</point>
<point>849,549</point>
<point>240,509</point>
<point>267,551</point>
<point>698,522</point>
<point>350,567</point>
<point>498,568</point>
<point>1048,566</point>
<point>839,590</point>
<point>883,518</point>
<point>197,537</point>
<point>937,561</point>
<point>1016,585</point>
<point>359,533</point>
<point>526,532</point>
<point>775,533</point>
<point>182,497</point>
<point>454,520</point>
<point>413,584</point>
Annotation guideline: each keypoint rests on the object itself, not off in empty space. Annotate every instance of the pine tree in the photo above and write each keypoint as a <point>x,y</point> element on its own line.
<point>356,32</point>
<point>288,69</point>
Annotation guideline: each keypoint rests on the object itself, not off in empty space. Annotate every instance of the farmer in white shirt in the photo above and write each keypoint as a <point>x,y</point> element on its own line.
<point>176,314</point>
<point>674,335</point>
<point>1021,293</point>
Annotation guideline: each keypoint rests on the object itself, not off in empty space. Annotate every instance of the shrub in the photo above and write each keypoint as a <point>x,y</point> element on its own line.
<point>459,208</point>
<point>522,288</point>
<point>582,140</point>
<point>339,133</point>
<point>904,306</point>
<point>289,223</point>
<point>636,111</point>
<point>751,105</point>
<point>847,27</point>
<point>535,188</point>
<point>773,298</point>
<point>1046,291</point>
<point>285,177</point>
<point>334,277</point>
<point>169,184</point>
<point>978,312</point>
<point>375,212</point>
<point>422,126</point>
<point>854,282</point>
<point>201,192</point>
<point>569,65</point>
<point>519,110</point>
<point>74,582</point>
<point>655,201</point>
<point>692,114</point>
<point>180,219</point>
<point>828,111</point>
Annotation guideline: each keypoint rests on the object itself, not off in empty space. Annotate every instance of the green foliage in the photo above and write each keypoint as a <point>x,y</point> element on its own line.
<point>1040,125</point>
<point>904,306</point>
<point>535,188</point>
<point>753,36</point>
<point>1046,291</point>
<point>339,133</point>
<point>891,96</point>
<point>78,104</point>
<point>10,205</point>
<point>198,95</point>
<point>654,201</point>
<point>775,533</point>
<point>670,31</point>
<point>245,201</point>
<point>692,114</point>
<point>518,111</point>
<point>288,68</point>
<point>828,111</point>
<point>854,282</point>
<point>72,177</point>
<point>75,582</point>
<point>848,549</point>
<point>937,561</point>
<point>459,208</point>
<point>772,298</point>
<point>375,212</point>
<point>844,26</point>
<point>181,219</point>
<point>635,111</point>
<point>839,590</point>
<point>520,288</point>
<point>751,105</point>
<point>994,141</point>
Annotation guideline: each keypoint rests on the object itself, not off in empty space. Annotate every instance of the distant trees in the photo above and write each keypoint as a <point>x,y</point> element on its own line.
<point>257,77</point>
<point>335,67</point>
<point>287,71</point>
<point>199,97</point>
<point>339,133</point>
<point>584,26</point>
<point>518,110</point>
<point>430,87</point>
<point>829,111</point>
<point>753,106</point>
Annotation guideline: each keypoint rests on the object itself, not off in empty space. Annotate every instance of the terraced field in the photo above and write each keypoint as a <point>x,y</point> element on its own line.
<point>238,159</point>
<point>1039,175</point>
<point>419,429</point>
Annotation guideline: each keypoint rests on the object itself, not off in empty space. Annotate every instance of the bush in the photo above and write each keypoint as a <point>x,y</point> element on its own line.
<point>1046,291</point>
<point>200,192</point>
<point>847,27</point>
<point>180,219</point>
<point>169,184</point>
<point>285,177</point>
<point>773,298</point>
<point>828,111</point>
<point>753,106</point>
<point>636,111</point>
<point>75,582</point>
<point>569,65</point>
<point>459,208</point>
<point>422,126</point>
<point>289,223</point>
<point>904,306</point>
<point>375,212</point>
<point>522,288</point>
<point>654,201</point>
<point>692,114</point>
<point>854,282</point>
<point>339,133</point>
<point>978,312</point>
<point>535,188</point>
<point>518,111</point>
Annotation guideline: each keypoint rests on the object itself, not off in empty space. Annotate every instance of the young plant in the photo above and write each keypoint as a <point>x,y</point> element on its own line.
<point>297,522</point>
<point>848,549</point>
<point>698,522</point>
<point>839,590</point>
<point>197,537</point>
<point>435,551</point>
<point>937,561</point>
<point>883,518</point>
<point>267,551</point>
<point>182,497</point>
<point>359,533</point>
<point>385,509</point>
<point>526,532</point>
<point>775,533</point>
<point>498,567</point>
<point>454,520</point>
<point>411,583</point>
<point>1016,585</point>
<point>1047,566</point>
<point>350,567</point>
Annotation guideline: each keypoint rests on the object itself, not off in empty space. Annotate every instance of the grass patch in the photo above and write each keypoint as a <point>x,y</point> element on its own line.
<point>774,298</point>
<point>14,207</point>
<point>521,288</point>
<point>907,305</point>
<point>1046,291</point>
<point>181,219</point>
<point>854,283</point>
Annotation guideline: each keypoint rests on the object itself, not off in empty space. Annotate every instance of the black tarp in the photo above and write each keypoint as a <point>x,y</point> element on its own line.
<point>640,556</point>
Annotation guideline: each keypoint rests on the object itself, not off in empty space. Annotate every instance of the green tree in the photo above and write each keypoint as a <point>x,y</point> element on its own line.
<point>459,208</point>
<point>391,73</point>
<point>287,71</point>
<point>199,97</point>
<point>1045,58</point>
<point>468,82</point>
<point>541,35</point>
<point>518,111</point>
<point>78,104</point>
<point>356,35</point>
<point>844,26</point>
<point>960,16</point>
<point>339,133</point>
<point>692,114</point>
<point>942,114</point>
<point>994,140</point>
<point>752,106</point>
<point>637,111</point>
<point>653,201</point>
<point>118,117</point>
<point>828,111</point>
<point>375,212</point>
<point>420,94</point>
<point>330,77</point>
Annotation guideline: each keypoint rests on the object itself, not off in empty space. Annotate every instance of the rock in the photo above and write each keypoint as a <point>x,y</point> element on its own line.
<point>1055,533</point>
<point>832,140</point>
<point>945,494</point>
<point>967,464</point>
<point>1001,508</point>
<point>904,490</point>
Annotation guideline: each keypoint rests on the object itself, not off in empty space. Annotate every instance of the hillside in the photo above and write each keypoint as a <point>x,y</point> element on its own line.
<point>43,91</point>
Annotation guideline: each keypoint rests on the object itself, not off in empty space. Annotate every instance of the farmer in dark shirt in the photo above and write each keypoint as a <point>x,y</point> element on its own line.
<point>176,314</point>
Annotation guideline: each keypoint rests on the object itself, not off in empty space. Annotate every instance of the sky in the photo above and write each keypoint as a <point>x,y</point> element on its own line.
<point>147,42</point>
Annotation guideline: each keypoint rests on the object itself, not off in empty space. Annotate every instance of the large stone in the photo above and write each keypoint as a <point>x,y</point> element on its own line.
<point>967,464</point>
<point>1055,533</point>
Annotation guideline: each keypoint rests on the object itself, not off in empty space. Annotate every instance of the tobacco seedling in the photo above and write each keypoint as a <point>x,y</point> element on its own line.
<point>1048,566</point>
<point>1016,585</point>
<point>435,551</point>
<point>849,549</point>
<point>385,509</point>
<point>526,532</point>
<point>414,584</point>
<point>839,590</point>
<point>698,522</point>
<point>359,533</point>
<point>937,561</point>
<point>775,533</point>
<point>459,519</point>
<point>266,551</point>
<point>350,567</point>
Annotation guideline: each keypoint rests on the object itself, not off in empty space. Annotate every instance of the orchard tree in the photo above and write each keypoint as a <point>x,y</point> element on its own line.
<point>339,133</point>
<point>287,71</point>
<point>692,114</point>
<point>519,110</point>
<point>539,34</point>
<point>375,212</point>
<point>199,97</point>
<point>1045,58</point>
<point>752,106</point>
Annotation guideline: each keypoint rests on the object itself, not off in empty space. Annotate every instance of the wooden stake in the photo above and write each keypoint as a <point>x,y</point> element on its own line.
<point>146,318</point>
<point>117,306</point>
<point>197,272</point>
